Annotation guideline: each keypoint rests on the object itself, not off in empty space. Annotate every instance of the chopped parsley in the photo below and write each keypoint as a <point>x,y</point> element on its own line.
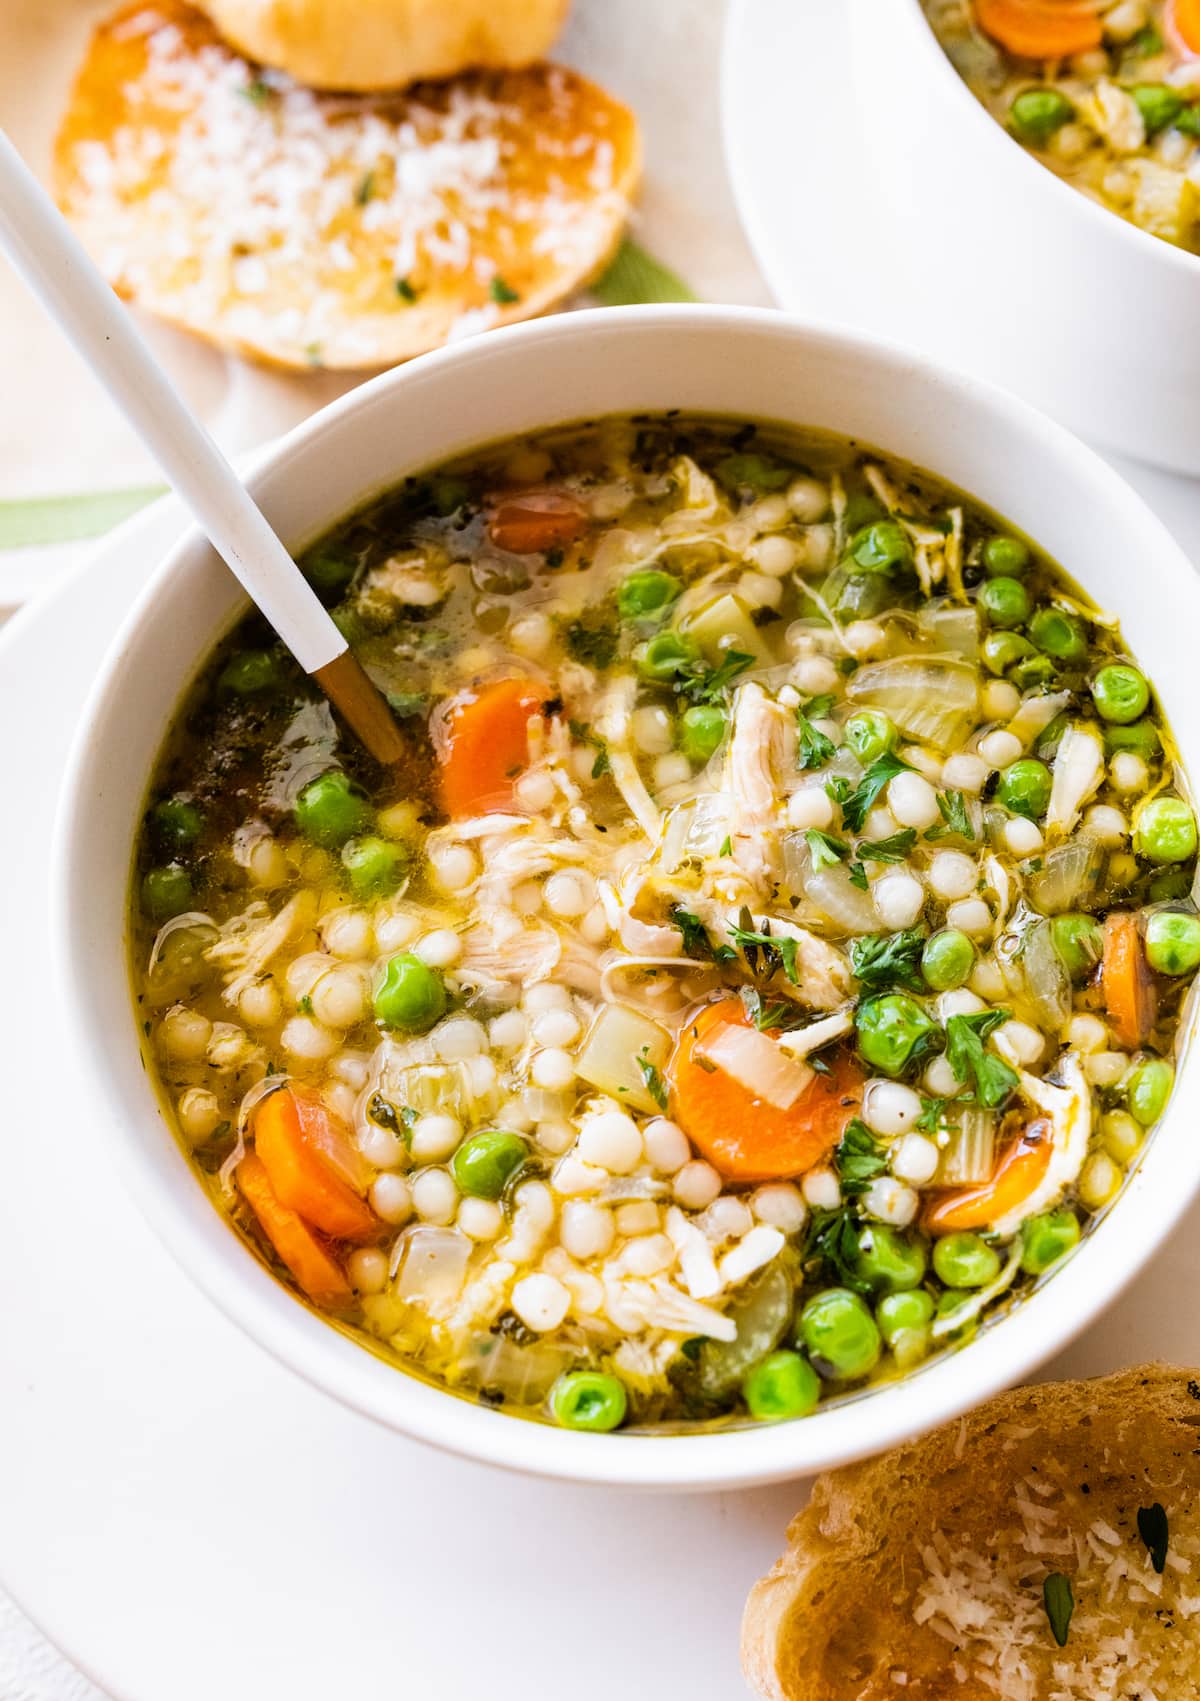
<point>952,807</point>
<point>405,704</point>
<point>859,1158</point>
<point>709,685</point>
<point>935,1117</point>
<point>726,846</point>
<point>857,804</point>
<point>833,1241</point>
<point>858,876</point>
<point>815,748</point>
<point>366,189</point>
<point>256,91</point>
<point>824,850</point>
<point>502,293</point>
<point>592,639</point>
<point>653,1080</point>
<point>406,291</point>
<point>696,942</point>
<point>882,960</point>
<point>993,1078</point>
<point>1059,1602</point>
<point>892,849</point>
<point>765,952</point>
<point>1152,1527</point>
<point>305,1005</point>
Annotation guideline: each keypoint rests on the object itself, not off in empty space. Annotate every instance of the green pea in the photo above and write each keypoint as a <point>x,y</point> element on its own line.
<point>1079,942</point>
<point>1024,787</point>
<point>1158,105</point>
<point>887,1261</point>
<point>880,547</point>
<point>410,995</point>
<point>1120,693</point>
<point>166,892</point>
<point>701,731</point>
<point>840,1334</point>
<point>248,673</point>
<point>752,472</point>
<point>588,1399</point>
<point>909,1347</point>
<point>892,1030</point>
<point>1046,1239</point>
<point>1059,634</point>
<point>1005,557</point>
<point>329,572</point>
<point>374,866</point>
<point>862,509</point>
<point>1173,942</point>
<point>1036,114</point>
<point>484,1165</point>
<point>1028,671</point>
<point>782,1385</point>
<point>1141,738</point>
<point>175,824</point>
<point>1168,885</point>
<point>947,960</point>
<point>899,1312</point>
<point>1004,601</point>
<point>1148,1087</point>
<point>448,495</point>
<point>1164,830</point>
<point>862,595</point>
<point>665,657</point>
<point>1002,650</point>
<point>963,1260</point>
<point>870,735</point>
<point>647,593</point>
<point>330,810</point>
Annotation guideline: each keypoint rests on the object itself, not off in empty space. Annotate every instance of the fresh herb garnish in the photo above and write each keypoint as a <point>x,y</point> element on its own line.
<point>825,850</point>
<point>501,292</point>
<point>1145,44</point>
<point>934,1116</point>
<point>833,1241</point>
<point>709,685</point>
<point>766,1016</point>
<point>1152,1527</point>
<point>696,942</point>
<point>592,639</point>
<point>691,1347</point>
<point>383,1112</point>
<point>1059,1601</point>
<point>366,189</point>
<point>892,849</point>
<point>405,290</point>
<point>601,765</point>
<point>889,959</point>
<point>815,748</point>
<point>256,91</point>
<point>859,1158</point>
<point>405,704</point>
<point>775,952</point>
<point>305,1005</point>
<point>993,1078</point>
<point>857,804</point>
<point>952,807</point>
<point>726,846</point>
<point>858,876</point>
<point>654,1081</point>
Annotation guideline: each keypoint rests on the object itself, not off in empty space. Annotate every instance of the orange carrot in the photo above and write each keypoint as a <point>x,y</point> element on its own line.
<point>312,1266</point>
<point>536,520</point>
<point>1019,1171</point>
<point>485,744</point>
<point>1041,29</point>
<point>741,1135</point>
<point>1129,994</point>
<point>292,1134</point>
<point>1183,22</point>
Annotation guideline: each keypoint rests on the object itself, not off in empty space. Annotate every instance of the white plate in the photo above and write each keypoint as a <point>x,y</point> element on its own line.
<point>184,1518</point>
<point>811,208</point>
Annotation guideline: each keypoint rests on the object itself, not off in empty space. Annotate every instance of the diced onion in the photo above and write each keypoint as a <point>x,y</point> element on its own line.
<point>829,890</point>
<point>932,698</point>
<point>1068,875</point>
<point>756,1062</point>
<point>1046,980</point>
<point>971,1153</point>
<point>1078,770</point>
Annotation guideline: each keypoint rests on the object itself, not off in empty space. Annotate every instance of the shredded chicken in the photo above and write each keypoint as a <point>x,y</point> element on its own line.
<point>761,750</point>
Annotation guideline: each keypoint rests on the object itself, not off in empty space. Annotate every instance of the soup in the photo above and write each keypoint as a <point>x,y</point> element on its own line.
<point>1106,96</point>
<point>764,967</point>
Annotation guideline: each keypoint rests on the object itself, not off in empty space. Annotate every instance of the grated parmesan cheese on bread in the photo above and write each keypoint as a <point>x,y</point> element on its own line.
<point>920,1576</point>
<point>327,230</point>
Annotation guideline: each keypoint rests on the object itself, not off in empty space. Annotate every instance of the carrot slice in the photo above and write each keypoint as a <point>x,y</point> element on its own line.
<point>485,744</point>
<point>1183,21</point>
<point>1041,29</point>
<point>290,1130</point>
<point>537,520</point>
<point>315,1270</point>
<point>743,1136</point>
<point>1019,1171</point>
<point>1129,993</point>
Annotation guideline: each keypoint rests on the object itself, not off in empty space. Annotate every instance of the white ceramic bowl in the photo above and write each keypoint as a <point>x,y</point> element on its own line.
<point>720,360</point>
<point>1035,285</point>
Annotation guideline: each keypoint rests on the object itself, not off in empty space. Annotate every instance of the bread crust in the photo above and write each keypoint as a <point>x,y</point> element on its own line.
<point>344,232</point>
<point>387,44</point>
<point>833,1620</point>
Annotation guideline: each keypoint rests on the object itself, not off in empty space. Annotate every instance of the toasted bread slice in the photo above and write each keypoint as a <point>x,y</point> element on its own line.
<point>385,44</point>
<point>338,231</point>
<point>919,1576</point>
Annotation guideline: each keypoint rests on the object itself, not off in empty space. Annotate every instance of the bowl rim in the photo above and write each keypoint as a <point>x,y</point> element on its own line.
<point>1041,1325</point>
<point>1149,245</point>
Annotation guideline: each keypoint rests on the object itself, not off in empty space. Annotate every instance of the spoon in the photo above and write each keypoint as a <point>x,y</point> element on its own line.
<point>52,260</point>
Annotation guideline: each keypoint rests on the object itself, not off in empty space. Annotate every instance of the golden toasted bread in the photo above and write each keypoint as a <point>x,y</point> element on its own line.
<point>385,44</point>
<point>919,1576</point>
<point>339,231</point>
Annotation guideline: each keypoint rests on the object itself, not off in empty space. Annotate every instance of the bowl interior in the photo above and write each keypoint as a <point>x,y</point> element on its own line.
<point>730,361</point>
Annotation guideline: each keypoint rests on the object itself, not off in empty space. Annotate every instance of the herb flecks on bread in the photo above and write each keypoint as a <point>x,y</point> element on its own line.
<point>338,231</point>
<point>922,1575</point>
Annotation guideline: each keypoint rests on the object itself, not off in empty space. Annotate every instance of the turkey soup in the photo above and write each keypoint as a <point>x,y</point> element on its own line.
<point>762,969</point>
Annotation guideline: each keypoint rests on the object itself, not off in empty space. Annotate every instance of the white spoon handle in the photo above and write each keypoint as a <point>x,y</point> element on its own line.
<point>53,262</point>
